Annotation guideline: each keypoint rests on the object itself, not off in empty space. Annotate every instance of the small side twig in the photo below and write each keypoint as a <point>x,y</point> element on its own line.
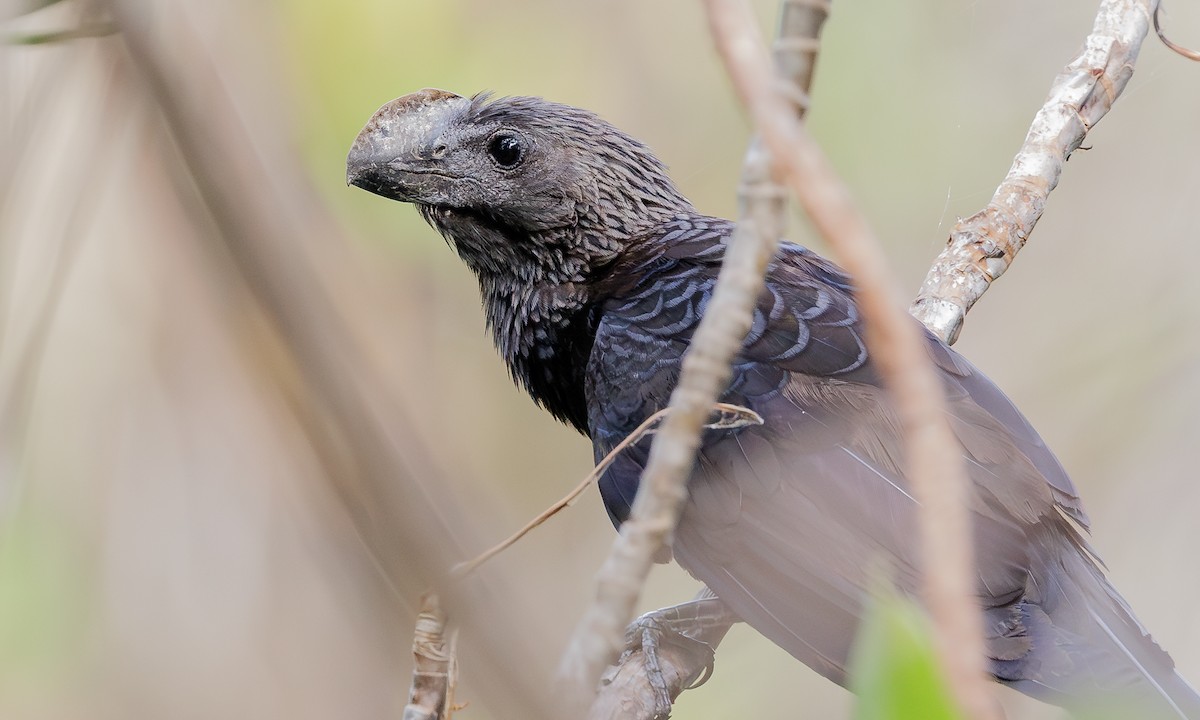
<point>1186,52</point>
<point>937,476</point>
<point>981,247</point>
<point>728,417</point>
<point>435,667</point>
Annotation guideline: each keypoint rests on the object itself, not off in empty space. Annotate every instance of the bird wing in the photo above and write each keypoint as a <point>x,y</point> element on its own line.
<point>784,521</point>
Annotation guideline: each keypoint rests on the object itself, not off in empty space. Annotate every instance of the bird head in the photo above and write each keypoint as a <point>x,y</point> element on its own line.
<point>518,185</point>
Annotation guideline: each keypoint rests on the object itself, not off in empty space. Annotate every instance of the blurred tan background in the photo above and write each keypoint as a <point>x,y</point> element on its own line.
<point>174,535</point>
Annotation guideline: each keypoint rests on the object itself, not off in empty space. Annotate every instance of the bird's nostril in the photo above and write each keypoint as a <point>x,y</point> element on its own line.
<point>440,151</point>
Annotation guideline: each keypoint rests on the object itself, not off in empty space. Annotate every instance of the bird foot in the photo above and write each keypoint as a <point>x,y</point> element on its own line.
<point>692,628</point>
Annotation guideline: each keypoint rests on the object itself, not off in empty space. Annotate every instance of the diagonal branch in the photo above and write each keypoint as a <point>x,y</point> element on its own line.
<point>982,246</point>
<point>896,344</point>
<point>662,492</point>
<point>627,691</point>
<point>705,374</point>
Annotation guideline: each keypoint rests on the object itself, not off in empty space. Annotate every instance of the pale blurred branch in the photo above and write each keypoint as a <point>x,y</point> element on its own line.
<point>896,344</point>
<point>77,20</point>
<point>704,377</point>
<point>28,111</point>
<point>27,352</point>
<point>269,226</point>
<point>981,247</point>
<point>91,30</point>
<point>272,228</point>
<point>16,8</point>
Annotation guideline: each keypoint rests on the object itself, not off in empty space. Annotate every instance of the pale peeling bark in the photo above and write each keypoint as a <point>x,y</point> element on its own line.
<point>981,247</point>
<point>435,670</point>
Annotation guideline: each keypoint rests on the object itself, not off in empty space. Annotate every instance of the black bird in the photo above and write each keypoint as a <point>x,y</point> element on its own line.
<point>594,272</point>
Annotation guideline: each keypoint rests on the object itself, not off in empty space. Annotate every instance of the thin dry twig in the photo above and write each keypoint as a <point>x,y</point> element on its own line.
<point>937,476</point>
<point>1186,52</point>
<point>728,417</point>
<point>981,247</point>
<point>435,665</point>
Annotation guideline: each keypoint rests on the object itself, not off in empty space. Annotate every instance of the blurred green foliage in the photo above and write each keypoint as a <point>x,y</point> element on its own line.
<point>894,671</point>
<point>42,601</point>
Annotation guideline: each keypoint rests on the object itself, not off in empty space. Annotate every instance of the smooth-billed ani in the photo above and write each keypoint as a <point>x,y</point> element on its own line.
<point>594,272</point>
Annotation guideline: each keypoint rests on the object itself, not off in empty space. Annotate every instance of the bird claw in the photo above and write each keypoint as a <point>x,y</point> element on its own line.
<point>679,626</point>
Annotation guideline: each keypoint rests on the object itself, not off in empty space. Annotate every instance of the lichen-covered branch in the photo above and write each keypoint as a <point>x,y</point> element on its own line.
<point>937,476</point>
<point>704,377</point>
<point>981,247</point>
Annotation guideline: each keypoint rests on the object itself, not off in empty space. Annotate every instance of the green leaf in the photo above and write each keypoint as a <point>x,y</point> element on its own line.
<point>893,669</point>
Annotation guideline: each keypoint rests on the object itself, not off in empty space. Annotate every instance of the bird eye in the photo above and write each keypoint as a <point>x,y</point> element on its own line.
<point>506,150</point>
